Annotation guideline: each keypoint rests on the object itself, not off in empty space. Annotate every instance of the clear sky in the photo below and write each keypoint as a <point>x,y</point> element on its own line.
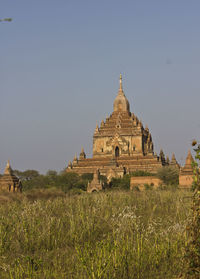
<point>60,62</point>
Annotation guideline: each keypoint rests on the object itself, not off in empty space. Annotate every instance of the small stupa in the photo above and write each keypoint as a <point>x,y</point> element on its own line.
<point>186,172</point>
<point>95,185</point>
<point>9,181</point>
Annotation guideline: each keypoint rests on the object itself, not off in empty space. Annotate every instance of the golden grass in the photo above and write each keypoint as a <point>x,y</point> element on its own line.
<point>118,234</point>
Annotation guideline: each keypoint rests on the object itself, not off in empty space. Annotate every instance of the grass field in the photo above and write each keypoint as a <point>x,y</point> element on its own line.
<point>114,234</point>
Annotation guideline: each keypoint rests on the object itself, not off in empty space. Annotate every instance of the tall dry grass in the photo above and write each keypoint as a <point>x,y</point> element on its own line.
<point>104,235</point>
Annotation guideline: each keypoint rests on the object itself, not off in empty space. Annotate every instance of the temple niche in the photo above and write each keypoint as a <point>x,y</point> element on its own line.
<point>120,144</point>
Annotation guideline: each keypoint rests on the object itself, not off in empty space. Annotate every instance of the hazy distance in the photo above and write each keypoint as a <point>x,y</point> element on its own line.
<point>59,68</point>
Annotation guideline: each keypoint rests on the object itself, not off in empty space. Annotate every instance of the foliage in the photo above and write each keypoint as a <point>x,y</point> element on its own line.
<point>169,175</point>
<point>87,176</point>
<point>51,173</point>
<point>104,180</point>
<point>121,183</point>
<point>141,173</point>
<point>193,248</point>
<point>106,235</point>
<point>64,181</point>
<point>27,174</point>
<point>68,181</point>
<point>148,186</point>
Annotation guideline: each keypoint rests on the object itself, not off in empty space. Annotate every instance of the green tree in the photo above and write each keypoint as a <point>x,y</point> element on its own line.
<point>193,248</point>
<point>141,173</point>
<point>51,173</point>
<point>27,174</point>
<point>169,175</point>
<point>122,183</point>
<point>87,176</point>
<point>30,174</point>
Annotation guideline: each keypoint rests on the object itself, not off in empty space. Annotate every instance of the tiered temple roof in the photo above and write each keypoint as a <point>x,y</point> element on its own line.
<point>174,162</point>
<point>120,145</point>
<point>187,169</point>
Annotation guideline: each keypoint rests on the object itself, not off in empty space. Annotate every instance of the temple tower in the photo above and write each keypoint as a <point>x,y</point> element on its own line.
<point>120,144</point>
<point>9,181</point>
<point>122,134</point>
<point>186,172</point>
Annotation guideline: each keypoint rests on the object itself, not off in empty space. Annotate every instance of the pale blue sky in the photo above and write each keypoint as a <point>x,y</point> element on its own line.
<point>59,67</point>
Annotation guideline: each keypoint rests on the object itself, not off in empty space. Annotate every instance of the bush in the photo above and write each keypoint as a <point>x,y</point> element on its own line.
<point>142,173</point>
<point>87,176</point>
<point>64,181</point>
<point>148,186</point>
<point>193,248</point>
<point>169,175</point>
<point>122,183</point>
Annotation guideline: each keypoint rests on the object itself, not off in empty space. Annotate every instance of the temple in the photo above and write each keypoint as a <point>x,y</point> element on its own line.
<point>95,184</point>
<point>186,172</point>
<point>10,182</point>
<point>120,145</point>
<point>174,163</point>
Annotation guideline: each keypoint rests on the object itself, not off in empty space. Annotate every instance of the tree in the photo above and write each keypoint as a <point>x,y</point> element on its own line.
<point>30,174</point>
<point>141,173</point>
<point>87,176</point>
<point>27,174</point>
<point>169,175</point>
<point>193,248</point>
<point>51,173</point>
<point>123,183</point>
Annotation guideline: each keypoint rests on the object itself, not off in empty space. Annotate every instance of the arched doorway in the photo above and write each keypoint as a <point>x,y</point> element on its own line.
<point>116,151</point>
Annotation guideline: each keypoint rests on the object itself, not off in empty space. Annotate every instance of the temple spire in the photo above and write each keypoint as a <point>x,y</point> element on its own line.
<point>121,104</point>
<point>120,83</point>
<point>8,169</point>
<point>8,164</point>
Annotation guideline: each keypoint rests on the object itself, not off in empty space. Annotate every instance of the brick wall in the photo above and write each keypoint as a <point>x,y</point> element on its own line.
<point>141,180</point>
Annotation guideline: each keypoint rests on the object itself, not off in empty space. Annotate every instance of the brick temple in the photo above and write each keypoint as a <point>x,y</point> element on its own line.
<point>186,172</point>
<point>10,182</point>
<point>120,145</point>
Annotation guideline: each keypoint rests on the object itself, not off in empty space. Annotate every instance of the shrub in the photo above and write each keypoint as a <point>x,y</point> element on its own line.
<point>122,183</point>
<point>87,176</point>
<point>141,173</point>
<point>148,186</point>
<point>64,181</point>
<point>193,248</point>
<point>169,175</point>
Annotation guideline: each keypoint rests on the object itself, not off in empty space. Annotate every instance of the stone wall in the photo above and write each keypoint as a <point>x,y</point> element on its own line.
<point>185,181</point>
<point>142,180</point>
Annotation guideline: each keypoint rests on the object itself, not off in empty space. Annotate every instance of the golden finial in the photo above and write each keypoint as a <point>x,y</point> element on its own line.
<point>120,82</point>
<point>97,128</point>
<point>75,157</point>
<point>8,164</point>
<point>8,168</point>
